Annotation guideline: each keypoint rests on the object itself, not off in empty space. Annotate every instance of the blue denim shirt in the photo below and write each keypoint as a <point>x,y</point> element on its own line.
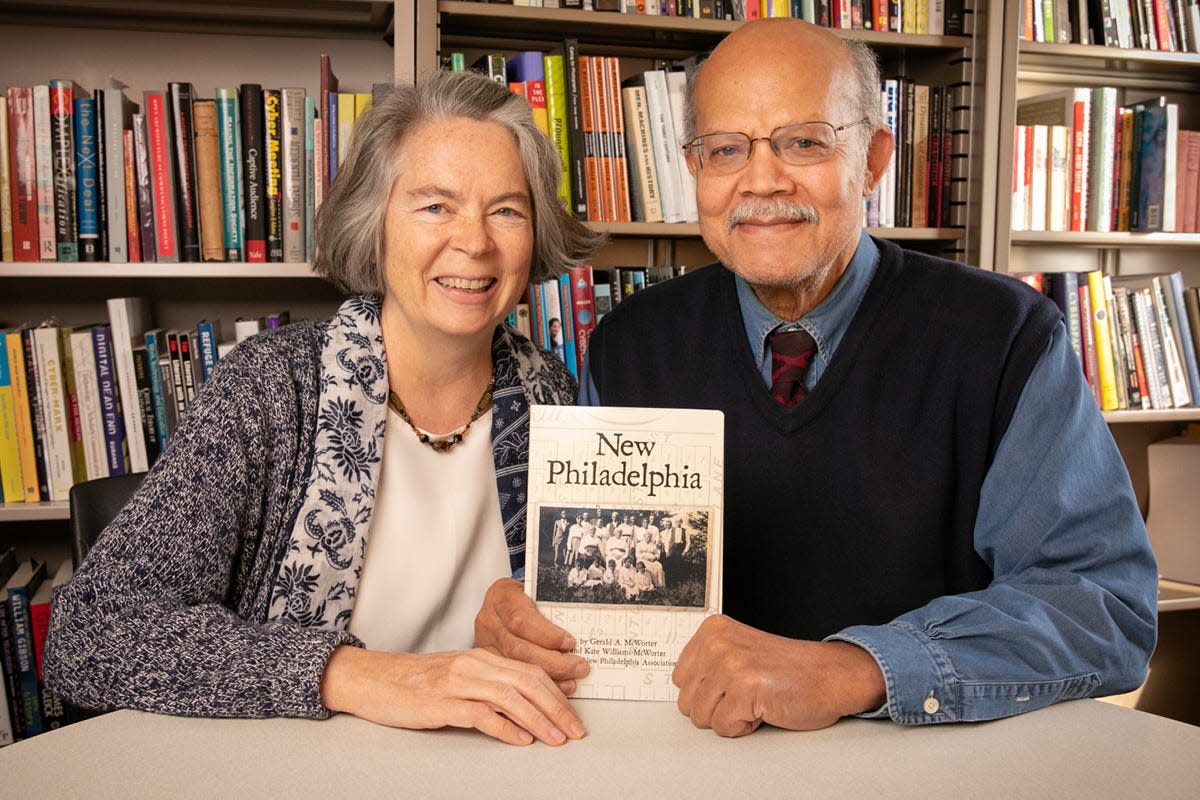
<point>1071,610</point>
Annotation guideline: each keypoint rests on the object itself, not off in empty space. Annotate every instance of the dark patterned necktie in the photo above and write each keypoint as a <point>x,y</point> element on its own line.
<point>791,353</point>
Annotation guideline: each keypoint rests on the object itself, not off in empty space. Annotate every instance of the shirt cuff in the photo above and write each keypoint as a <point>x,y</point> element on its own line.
<point>918,675</point>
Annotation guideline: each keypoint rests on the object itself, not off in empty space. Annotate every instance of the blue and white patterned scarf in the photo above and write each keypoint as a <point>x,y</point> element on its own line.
<point>318,577</point>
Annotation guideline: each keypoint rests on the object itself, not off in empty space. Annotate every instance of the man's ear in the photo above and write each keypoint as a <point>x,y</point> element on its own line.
<point>879,153</point>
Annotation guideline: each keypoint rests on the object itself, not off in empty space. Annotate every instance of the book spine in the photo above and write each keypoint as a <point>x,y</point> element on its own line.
<point>1101,158</point>
<point>159,397</point>
<point>6,232</point>
<point>570,352</point>
<point>26,446</point>
<point>1151,160</point>
<point>10,692</point>
<point>62,100</point>
<point>291,118</point>
<point>162,177</point>
<point>115,448</point>
<point>575,125</point>
<point>23,173</point>
<point>643,186</point>
<point>44,173</point>
<point>59,473</point>
<point>183,136</point>
<point>556,115</point>
<point>206,338</point>
<point>128,317</point>
<point>1152,353</point>
<point>145,401</point>
<point>230,145</point>
<point>186,366</point>
<point>11,488</point>
<point>1080,157</point>
<point>250,98</point>
<point>272,186</point>
<point>667,166</point>
<point>79,470</point>
<point>87,390</point>
<point>31,704</point>
<point>583,311</point>
<point>616,116</point>
<point>1091,364</point>
<point>37,412</point>
<point>589,117</point>
<point>179,393</point>
<point>208,180</point>
<point>115,114</point>
<point>142,180</point>
<point>1102,338</point>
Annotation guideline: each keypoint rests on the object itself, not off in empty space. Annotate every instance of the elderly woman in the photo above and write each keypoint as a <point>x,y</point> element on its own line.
<point>321,531</point>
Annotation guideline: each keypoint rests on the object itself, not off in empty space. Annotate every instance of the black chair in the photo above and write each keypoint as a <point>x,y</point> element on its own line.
<point>93,505</point>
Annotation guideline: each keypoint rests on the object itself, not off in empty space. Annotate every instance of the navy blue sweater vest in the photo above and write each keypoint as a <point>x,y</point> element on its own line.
<point>859,504</point>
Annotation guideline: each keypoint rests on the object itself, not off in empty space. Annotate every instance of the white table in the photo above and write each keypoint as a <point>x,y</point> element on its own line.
<point>1084,749</point>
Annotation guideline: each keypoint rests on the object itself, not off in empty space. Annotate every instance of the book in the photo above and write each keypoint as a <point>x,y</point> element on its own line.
<point>643,184</point>
<point>1102,157</point>
<point>208,339</point>
<point>142,369</point>
<point>668,156</point>
<point>145,195</point>
<point>162,177</point>
<point>273,172</point>
<point>208,179</point>
<point>14,343</point>
<point>254,202</point>
<point>129,318</point>
<point>21,586</point>
<point>291,164</point>
<point>556,115</point>
<point>53,406</point>
<point>55,713</point>
<point>677,98</point>
<point>62,139</point>
<point>22,173</point>
<point>115,449</point>
<point>133,225</point>
<point>616,120</point>
<point>229,145</point>
<point>6,235</point>
<point>87,390</point>
<point>583,311</point>
<point>327,89</point>
<point>12,489</point>
<point>1151,155</point>
<point>181,96</point>
<point>116,120</point>
<point>575,126</point>
<point>162,384</point>
<point>1102,337</point>
<point>43,147</point>
<point>631,605</point>
<point>9,720</point>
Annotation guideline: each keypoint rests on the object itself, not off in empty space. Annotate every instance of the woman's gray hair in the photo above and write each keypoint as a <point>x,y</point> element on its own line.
<point>866,72</point>
<point>348,236</point>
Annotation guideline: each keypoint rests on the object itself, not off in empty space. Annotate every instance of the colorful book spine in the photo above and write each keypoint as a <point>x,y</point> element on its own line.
<point>164,417</point>
<point>570,353</point>
<point>11,488</point>
<point>230,145</point>
<point>208,180</point>
<point>162,177</point>
<point>208,335</point>
<point>1102,336</point>
<point>583,311</point>
<point>20,590</point>
<point>44,173</point>
<point>292,174</point>
<point>22,173</point>
<point>62,96</point>
<point>557,115</point>
<point>577,147</point>
<point>273,183</point>
<point>115,448</point>
<point>254,203</point>
<point>183,134</point>
<point>23,418</point>
<point>87,389</point>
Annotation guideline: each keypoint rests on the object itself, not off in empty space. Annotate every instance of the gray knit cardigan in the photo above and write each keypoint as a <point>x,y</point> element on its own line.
<point>169,613</point>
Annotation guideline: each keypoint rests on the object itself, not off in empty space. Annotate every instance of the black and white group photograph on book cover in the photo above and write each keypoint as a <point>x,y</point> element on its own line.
<point>624,537</point>
<point>623,556</point>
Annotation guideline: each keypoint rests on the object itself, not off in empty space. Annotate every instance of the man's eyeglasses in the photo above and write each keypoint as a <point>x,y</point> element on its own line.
<point>800,144</point>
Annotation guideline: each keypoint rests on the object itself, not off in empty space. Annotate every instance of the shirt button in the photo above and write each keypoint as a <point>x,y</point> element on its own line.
<point>931,704</point>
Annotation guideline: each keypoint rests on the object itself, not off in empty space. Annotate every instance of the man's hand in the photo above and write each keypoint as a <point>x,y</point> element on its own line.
<point>732,678</point>
<point>512,701</point>
<point>510,625</point>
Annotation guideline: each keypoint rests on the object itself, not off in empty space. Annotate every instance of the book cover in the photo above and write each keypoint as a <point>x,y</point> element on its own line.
<point>117,113</point>
<point>229,144</point>
<point>183,133</point>
<point>643,184</point>
<point>129,318</point>
<point>20,588</point>
<point>162,177</point>
<point>273,173</point>
<point>291,126</point>
<point>634,588</point>
<point>43,147</point>
<point>14,343</point>
<point>87,391</point>
<point>556,115</point>
<point>22,173</point>
<point>62,138</point>
<point>145,193</point>
<point>575,125</point>
<point>208,180</point>
<point>254,203</point>
<point>115,449</point>
<point>12,490</point>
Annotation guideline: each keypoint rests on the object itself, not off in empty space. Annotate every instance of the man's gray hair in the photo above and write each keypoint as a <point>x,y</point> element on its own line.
<point>348,236</point>
<point>866,72</point>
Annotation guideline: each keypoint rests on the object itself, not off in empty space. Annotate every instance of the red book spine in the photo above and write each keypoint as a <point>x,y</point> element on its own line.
<point>158,144</point>
<point>587,94</point>
<point>583,311</point>
<point>617,117</point>
<point>22,173</point>
<point>133,227</point>
<point>1079,158</point>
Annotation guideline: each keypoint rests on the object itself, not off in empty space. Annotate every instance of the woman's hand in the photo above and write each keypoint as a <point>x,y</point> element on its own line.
<point>509,700</point>
<point>510,625</point>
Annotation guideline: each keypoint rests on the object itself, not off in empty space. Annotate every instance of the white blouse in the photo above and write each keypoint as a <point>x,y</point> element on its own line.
<point>435,545</point>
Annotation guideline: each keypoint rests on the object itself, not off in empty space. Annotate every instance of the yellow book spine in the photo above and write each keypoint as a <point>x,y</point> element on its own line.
<point>24,423</point>
<point>556,111</point>
<point>1103,342</point>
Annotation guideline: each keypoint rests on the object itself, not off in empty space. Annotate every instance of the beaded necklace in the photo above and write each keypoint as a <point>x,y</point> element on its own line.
<point>442,445</point>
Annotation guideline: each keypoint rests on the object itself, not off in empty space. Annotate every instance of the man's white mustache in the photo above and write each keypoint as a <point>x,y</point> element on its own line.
<point>773,210</point>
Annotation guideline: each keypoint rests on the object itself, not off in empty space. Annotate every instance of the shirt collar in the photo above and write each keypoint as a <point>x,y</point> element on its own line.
<point>827,323</point>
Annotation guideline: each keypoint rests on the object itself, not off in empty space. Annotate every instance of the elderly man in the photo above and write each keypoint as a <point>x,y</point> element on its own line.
<point>952,533</point>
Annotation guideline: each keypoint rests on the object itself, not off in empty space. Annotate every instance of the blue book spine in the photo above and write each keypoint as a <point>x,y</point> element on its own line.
<point>206,343</point>
<point>1152,180</point>
<point>22,630</point>
<point>332,128</point>
<point>110,404</point>
<point>87,176</point>
<point>229,140</point>
<point>158,397</point>
<point>568,324</point>
<point>1064,291</point>
<point>1186,342</point>
<point>526,66</point>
